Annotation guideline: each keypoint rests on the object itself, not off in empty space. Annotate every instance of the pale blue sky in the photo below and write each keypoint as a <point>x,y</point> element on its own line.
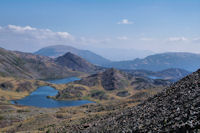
<point>155,25</point>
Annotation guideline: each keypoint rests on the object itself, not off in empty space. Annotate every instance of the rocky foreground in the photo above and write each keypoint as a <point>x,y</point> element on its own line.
<point>176,109</point>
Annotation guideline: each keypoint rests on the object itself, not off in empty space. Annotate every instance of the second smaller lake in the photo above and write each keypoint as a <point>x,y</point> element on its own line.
<point>64,80</point>
<point>154,77</point>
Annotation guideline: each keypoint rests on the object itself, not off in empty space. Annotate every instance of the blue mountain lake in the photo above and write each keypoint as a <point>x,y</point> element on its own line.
<point>38,98</point>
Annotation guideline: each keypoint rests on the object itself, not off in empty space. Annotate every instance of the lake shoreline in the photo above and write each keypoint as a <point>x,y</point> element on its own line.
<point>43,96</point>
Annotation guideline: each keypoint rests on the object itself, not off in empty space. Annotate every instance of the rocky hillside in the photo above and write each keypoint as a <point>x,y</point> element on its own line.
<point>26,65</point>
<point>159,62</point>
<point>60,50</point>
<point>76,63</point>
<point>176,109</point>
<point>111,84</point>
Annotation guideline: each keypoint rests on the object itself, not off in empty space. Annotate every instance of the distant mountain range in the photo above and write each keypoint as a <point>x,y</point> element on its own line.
<point>156,62</point>
<point>59,50</point>
<point>159,62</point>
<point>27,65</point>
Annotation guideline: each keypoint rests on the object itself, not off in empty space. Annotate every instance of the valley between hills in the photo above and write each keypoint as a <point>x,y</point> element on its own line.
<point>123,97</point>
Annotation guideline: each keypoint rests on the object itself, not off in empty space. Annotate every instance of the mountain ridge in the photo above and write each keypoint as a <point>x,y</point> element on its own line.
<point>159,62</point>
<point>76,63</point>
<point>155,62</point>
<point>27,65</point>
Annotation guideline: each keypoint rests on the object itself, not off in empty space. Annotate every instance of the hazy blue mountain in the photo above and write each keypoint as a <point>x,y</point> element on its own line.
<point>59,50</point>
<point>158,62</point>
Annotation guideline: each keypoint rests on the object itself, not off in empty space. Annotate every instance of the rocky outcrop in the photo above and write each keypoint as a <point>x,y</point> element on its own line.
<point>113,79</point>
<point>6,85</point>
<point>70,93</point>
<point>123,94</point>
<point>101,95</point>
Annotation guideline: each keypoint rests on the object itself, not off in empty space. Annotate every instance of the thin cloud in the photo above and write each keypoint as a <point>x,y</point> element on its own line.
<point>65,35</point>
<point>28,38</point>
<point>20,29</point>
<point>125,21</point>
<point>122,38</point>
<point>175,39</point>
<point>196,39</point>
<point>84,40</point>
<point>147,39</point>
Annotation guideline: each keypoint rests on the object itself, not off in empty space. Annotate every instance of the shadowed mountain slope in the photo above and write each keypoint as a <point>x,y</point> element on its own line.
<point>26,65</point>
<point>76,63</point>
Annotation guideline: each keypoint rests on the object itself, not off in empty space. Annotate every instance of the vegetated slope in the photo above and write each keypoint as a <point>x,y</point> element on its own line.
<point>76,63</point>
<point>172,74</point>
<point>111,84</point>
<point>176,109</point>
<point>26,65</point>
<point>159,62</point>
<point>59,50</point>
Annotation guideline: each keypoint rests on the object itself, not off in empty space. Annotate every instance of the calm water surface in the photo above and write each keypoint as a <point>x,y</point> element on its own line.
<point>154,77</point>
<point>63,81</point>
<point>38,98</point>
